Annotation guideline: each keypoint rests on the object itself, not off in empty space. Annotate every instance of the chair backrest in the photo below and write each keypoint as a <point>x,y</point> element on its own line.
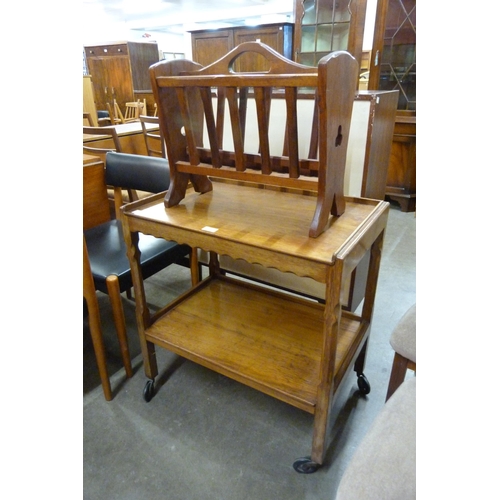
<point>132,111</point>
<point>96,208</point>
<point>184,92</point>
<point>87,119</point>
<point>135,172</point>
<point>155,144</point>
<point>105,134</point>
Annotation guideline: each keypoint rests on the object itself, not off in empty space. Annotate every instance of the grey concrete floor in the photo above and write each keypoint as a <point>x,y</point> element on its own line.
<point>206,437</point>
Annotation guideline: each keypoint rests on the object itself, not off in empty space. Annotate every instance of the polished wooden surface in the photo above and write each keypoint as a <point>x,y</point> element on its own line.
<point>264,226</point>
<point>89,159</point>
<point>285,365</point>
<point>290,348</point>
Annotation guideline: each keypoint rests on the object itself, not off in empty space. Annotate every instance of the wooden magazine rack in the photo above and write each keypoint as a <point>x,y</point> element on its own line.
<point>184,89</point>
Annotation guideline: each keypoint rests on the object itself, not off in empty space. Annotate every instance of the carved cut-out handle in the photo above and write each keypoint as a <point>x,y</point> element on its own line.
<point>278,63</point>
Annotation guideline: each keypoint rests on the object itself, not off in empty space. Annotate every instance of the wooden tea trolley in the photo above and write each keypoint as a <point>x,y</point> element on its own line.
<point>290,347</point>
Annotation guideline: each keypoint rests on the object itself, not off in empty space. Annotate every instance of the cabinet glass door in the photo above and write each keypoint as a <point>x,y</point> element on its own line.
<point>324,28</point>
<point>398,66</point>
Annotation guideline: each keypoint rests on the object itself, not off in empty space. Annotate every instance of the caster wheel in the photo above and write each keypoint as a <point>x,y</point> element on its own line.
<point>149,391</point>
<point>305,465</point>
<point>363,384</point>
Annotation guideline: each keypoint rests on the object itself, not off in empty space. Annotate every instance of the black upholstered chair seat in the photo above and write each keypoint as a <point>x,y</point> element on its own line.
<point>108,255</point>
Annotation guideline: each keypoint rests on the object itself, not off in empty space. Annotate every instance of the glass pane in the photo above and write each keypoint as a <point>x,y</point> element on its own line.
<point>342,13</point>
<point>307,59</point>
<point>398,60</point>
<point>340,36</point>
<point>309,12</point>
<point>324,41</point>
<point>325,11</point>
<point>308,33</point>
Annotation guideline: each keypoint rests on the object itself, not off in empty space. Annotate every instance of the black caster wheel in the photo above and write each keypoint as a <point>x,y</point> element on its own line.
<point>305,465</point>
<point>149,391</point>
<point>363,384</point>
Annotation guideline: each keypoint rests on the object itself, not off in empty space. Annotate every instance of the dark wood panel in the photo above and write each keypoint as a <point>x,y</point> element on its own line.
<point>402,173</point>
<point>210,45</point>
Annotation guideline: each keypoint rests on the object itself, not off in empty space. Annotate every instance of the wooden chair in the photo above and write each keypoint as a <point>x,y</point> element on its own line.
<point>155,144</point>
<point>96,213</point>
<point>117,113</point>
<point>106,249</point>
<point>132,111</point>
<point>404,342</point>
<point>104,118</point>
<point>184,90</point>
<point>108,134</point>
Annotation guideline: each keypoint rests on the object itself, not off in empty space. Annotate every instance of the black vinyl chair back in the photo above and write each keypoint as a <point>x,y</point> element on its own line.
<point>143,173</point>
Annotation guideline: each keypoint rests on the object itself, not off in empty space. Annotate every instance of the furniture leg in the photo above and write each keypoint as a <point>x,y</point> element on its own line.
<point>367,312</point>
<point>194,267</point>
<point>372,278</point>
<point>213,264</point>
<point>332,314</point>
<point>141,309</point>
<point>398,373</point>
<point>359,367</point>
<point>95,325</point>
<point>100,352</point>
<point>113,286</point>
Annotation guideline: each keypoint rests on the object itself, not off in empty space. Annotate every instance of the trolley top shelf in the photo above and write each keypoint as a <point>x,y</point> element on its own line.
<point>262,226</point>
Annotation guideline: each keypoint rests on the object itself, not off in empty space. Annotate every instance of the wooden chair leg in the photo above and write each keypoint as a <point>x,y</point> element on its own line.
<point>398,373</point>
<point>119,318</point>
<point>95,324</point>
<point>98,343</point>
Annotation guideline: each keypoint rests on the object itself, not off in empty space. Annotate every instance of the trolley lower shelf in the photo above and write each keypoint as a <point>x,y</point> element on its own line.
<point>268,340</point>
